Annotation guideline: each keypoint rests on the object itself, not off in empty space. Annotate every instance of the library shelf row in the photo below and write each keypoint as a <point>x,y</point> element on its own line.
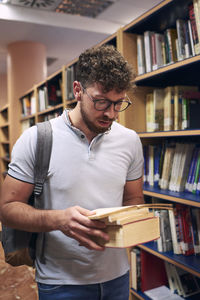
<point>174,133</point>
<point>170,71</point>
<point>189,263</point>
<point>180,197</point>
<point>183,72</point>
<point>141,296</point>
<point>158,19</point>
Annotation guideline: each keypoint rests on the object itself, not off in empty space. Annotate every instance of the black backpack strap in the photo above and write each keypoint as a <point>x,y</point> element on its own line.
<point>42,159</point>
<point>43,154</point>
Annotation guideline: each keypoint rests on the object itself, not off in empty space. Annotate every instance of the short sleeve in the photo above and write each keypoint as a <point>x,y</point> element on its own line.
<point>135,170</point>
<point>23,156</point>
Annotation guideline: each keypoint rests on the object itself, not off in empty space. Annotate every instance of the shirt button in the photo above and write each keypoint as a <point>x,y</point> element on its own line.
<point>82,136</point>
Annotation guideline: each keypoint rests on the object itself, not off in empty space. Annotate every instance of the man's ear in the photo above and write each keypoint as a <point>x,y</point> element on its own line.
<point>77,90</point>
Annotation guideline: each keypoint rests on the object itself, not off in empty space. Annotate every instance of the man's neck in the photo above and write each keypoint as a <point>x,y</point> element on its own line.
<point>77,121</point>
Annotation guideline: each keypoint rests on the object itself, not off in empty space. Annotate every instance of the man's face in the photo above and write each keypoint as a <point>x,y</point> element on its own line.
<point>98,121</point>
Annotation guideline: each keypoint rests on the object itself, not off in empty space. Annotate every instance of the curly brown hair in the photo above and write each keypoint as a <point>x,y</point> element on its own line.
<point>104,65</point>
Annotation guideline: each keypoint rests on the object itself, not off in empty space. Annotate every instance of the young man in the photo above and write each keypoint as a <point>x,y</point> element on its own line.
<point>95,162</point>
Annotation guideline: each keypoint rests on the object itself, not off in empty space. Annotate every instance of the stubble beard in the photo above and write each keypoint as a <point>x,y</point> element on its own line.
<point>90,125</point>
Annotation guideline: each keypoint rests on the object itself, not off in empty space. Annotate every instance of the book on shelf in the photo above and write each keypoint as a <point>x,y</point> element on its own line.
<point>192,169</point>
<point>181,281</point>
<point>70,73</point>
<point>183,170</point>
<point>33,105</point>
<point>157,161</point>
<point>193,113</point>
<point>164,243</point>
<point>146,155</point>
<point>194,31</point>
<point>152,156</point>
<point>43,98</point>
<point>180,24</point>
<point>198,187</point>
<point>148,50</point>
<point>25,124</point>
<point>197,17</point>
<point>196,174</point>
<point>26,106</point>
<point>179,93</point>
<point>153,272</point>
<point>167,166</point>
<point>162,293</point>
<point>155,110</point>
<point>185,229</point>
<point>149,113</point>
<point>156,45</point>
<point>54,92</point>
<point>190,109</point>
<point>135,270</point>
<point>171,37</point>
<point>173,223</point>
<point>129,225</point>
<point>168,108</point>
<point>191,181</point>
<point>150,176</point>
<point>195,222</point>
<point>189,45</point>
<point>140,55</point>
<point>158,105</point>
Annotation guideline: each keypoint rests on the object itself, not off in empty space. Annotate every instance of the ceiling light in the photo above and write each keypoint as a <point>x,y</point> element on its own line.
<point>4,1</point>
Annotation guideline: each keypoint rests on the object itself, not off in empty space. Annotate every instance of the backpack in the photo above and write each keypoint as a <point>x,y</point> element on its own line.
<point>19,246</point>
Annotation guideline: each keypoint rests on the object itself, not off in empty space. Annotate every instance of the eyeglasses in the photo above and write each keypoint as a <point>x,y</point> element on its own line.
<point>104,104</point>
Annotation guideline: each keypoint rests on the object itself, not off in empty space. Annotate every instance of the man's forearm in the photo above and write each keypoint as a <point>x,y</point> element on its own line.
<point>25,217</point>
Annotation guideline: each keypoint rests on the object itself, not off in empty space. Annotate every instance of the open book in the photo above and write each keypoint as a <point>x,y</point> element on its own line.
<point>129,225</point>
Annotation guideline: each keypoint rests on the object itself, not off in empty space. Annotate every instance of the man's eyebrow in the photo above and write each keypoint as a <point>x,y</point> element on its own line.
<point>101,97</point>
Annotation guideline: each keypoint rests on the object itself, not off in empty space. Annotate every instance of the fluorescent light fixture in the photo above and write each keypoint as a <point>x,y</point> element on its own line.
<point>4,1</point>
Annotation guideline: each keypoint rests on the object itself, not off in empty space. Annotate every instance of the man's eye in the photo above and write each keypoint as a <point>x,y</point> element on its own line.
<point>102,102</point>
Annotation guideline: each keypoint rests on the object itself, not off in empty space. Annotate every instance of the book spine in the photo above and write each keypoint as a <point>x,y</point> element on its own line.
<point>194,28</point>
<point>140,55</point>
<point>185,120</point>
<point>191,37</point>
<point>196,177</point>
<point>181,38</point>
<point>147,49</point>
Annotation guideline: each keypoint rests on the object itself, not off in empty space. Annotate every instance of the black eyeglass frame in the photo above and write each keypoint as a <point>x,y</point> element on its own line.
<point>110,102</point>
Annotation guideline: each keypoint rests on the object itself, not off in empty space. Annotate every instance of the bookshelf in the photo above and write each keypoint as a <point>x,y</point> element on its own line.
<point>48,98</point>
<point>4,141</point>
<point>159,18</point>
<point>176,73</point>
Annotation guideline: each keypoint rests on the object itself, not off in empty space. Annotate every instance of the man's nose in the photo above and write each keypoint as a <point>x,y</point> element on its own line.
<point>110,112</point>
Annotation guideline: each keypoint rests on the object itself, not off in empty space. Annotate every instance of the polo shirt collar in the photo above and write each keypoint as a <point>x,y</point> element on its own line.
<point>76,130</point>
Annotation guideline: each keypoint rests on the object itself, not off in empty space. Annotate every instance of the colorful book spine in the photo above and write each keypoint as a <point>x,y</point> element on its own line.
<point>157,154</point>
<point>196,177</point>
<point>191,183</point>
<point>191,170</point>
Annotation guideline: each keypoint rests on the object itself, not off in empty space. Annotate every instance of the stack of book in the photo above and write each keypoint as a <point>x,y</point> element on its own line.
<point>129,225</point>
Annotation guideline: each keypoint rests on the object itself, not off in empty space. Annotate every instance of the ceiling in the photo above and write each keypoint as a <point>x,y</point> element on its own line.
<point>65,35</point>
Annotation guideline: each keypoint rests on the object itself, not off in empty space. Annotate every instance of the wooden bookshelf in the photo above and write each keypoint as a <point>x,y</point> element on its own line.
<point>42,110</point>
<point>183,72</point>
<point>159,18</point>
<point>4,141</point>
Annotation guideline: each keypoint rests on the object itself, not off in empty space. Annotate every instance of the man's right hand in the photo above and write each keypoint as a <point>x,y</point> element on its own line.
<point>76,224</point>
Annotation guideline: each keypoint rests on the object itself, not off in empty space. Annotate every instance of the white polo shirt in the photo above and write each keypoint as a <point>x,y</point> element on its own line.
<point>89,175</point>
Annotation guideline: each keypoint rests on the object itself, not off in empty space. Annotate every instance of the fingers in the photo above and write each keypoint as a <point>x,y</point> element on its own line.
<point>82,229</point>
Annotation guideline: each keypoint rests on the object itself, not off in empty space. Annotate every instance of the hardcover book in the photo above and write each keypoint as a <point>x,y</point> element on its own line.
<point>129,225</point>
